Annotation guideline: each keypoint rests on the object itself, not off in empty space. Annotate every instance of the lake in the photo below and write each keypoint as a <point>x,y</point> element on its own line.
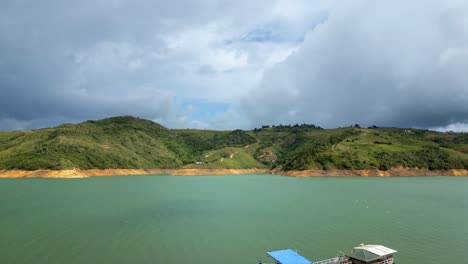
<point>230,219</point>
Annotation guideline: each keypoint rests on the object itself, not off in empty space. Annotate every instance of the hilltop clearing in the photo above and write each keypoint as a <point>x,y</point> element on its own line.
<point>133,143</point>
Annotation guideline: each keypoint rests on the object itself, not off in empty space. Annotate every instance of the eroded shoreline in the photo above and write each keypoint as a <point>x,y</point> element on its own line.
<point>79,173</point>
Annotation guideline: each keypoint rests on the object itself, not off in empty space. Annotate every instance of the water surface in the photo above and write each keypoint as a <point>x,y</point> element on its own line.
<point>229,219</point>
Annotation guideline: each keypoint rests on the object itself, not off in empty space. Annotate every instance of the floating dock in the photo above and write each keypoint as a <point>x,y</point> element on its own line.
<point>363,254</point>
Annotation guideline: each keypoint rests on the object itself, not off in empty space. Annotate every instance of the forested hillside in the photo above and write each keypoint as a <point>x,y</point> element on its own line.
<point>129,142</point>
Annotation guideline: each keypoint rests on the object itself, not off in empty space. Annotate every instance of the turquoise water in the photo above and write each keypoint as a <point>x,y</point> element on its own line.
<point>229,219</point>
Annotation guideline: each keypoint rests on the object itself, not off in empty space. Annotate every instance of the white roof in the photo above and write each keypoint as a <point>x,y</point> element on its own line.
<point>379,250</point>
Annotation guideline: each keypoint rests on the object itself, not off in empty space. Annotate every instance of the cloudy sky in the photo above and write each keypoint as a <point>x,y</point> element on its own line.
<point>235,64</point>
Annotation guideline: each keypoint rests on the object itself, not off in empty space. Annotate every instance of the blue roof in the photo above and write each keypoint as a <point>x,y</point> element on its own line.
<point>288,256</point>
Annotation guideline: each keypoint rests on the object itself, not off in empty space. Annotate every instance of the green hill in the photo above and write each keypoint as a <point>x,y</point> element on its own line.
<point>129,142</point>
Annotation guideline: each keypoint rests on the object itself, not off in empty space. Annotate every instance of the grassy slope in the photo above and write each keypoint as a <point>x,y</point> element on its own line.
<point>122,142</point>
<point>383,148</point>
<point>128,142</point>
<point>230,158</point>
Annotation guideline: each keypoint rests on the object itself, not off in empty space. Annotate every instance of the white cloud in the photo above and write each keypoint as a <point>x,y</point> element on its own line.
<point>395,63</point>
<point>456,127</point>
<point>324,61</point>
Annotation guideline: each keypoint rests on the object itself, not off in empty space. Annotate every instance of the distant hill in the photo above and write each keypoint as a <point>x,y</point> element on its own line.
<point>129,142</point>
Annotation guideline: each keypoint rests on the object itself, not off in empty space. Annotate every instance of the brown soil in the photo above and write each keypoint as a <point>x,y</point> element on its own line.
<point>201,172</point>
<point>462,150</point>
<point>396,172</point>
<point>78,173</point>
<point>233,154</point>
<point>267,156</point>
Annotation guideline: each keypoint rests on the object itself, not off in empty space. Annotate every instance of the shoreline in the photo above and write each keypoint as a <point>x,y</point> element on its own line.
<point>79,173</point>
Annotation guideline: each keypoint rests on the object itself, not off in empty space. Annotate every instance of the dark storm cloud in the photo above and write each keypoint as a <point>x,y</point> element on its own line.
<point>48,51</point>
<point>74,60</point>
<point>389,63</point>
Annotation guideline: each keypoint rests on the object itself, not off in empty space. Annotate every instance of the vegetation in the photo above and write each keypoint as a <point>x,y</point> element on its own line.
<point>129,142</point>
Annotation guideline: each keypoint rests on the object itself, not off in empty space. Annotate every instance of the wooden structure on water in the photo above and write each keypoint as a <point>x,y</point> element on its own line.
<point>364,254</point>
<point>371,254</point>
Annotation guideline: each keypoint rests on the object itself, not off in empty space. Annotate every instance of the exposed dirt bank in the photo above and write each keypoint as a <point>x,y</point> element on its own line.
<point>78,173</point>
<point>200,172</point>
<point>396,172</point>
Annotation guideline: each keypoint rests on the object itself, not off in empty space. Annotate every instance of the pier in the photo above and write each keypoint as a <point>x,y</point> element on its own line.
<point>363,254</point>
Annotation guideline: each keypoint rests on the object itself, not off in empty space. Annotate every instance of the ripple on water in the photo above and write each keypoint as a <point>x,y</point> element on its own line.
<point>232,219</point>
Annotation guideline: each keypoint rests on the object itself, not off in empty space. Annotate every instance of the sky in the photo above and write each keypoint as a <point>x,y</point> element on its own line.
<point>218,64</point>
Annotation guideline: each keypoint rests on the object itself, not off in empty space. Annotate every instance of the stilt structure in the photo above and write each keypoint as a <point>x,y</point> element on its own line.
<point>364,254</point>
